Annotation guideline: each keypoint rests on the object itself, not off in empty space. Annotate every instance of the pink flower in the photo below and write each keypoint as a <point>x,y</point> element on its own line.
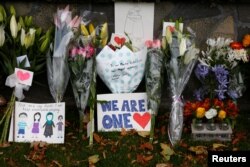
<point>75,22</point>
<point>89,51</point>
<point>73,52</point>
<point>82,52</point>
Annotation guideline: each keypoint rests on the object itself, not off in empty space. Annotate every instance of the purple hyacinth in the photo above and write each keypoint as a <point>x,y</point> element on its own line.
<point>199,94</point>
<point>221,92</point>
<point>220,72</point>
<point>201,71</point>
<point>233,94</point>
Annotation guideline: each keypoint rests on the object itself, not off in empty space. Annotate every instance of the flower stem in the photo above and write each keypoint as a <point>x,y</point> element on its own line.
<point>151,138</point>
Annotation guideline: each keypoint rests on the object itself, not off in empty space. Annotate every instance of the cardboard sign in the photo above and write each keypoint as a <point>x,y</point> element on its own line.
<point>24,77</point>
<point>171,24</point>
<point>38,122</point>
<point>121,70</point>
<point>128,111</point>
<point>20,59</point>
<point>135,19</point>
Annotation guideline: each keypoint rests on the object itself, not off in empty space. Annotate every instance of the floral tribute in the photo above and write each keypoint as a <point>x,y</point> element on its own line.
<point>209,110</point>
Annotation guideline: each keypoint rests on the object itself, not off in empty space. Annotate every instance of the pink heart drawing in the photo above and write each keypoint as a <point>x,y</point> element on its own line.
<point>143,119</point>
<point>120,41</point>
<point>23,75</point>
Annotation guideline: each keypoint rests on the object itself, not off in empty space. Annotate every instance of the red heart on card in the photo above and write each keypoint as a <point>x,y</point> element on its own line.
<point>120,41</point>
<point>23,75</point>
<point>143,119</point>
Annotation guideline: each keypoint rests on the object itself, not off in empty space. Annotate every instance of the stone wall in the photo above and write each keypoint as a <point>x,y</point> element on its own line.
<point>206,19</point>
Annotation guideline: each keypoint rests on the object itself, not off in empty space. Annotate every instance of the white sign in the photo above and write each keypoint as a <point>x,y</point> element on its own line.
<point>38,122</point>
<point>24,77</point>
<point>136,19</point>
<point>128,111</point>
<point>20,59</point>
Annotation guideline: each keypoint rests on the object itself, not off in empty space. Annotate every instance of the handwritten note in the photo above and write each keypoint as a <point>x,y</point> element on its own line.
<point>121,70</point>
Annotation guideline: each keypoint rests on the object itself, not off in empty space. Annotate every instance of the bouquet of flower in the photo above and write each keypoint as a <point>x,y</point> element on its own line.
<point>22,45</point>
<point>212,110</point>
<point>57,67</point>
<point>181,55</point>
<point>218,70</point>
<point>81,60</point>
<point>153,73</point>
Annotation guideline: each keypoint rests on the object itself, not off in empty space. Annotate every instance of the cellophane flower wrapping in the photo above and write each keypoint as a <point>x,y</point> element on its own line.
<point>57,67</point>
<point>180,62</point>
<point>81,65</point>
<point>153,81</point>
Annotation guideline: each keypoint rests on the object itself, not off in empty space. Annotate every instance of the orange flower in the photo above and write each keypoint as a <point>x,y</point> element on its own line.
<point>200,112</point>
<point>236,45</point>
<point>246,40</point>
<point>222,114</point>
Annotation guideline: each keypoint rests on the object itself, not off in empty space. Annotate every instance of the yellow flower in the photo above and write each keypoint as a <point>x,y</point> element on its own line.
<point>28,39</point>
<point>200,112</point>
<point>222,114</point>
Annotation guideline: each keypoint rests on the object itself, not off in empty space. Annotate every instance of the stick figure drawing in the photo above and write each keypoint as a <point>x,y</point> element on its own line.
<point>49,124</point>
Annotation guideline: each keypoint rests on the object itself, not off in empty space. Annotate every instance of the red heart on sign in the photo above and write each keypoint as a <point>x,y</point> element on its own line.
<point>120,41</point>
<point>142,120</point>
<point>23,75</point>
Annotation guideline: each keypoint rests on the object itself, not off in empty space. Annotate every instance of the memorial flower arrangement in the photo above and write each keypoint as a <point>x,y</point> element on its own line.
<point>218,70</point>
<point>180,59</point>
<point>89,37</point>
<point>214,110</point>
<point>19,37</point>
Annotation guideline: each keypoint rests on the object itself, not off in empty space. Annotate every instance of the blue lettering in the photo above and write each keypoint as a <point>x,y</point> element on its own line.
<point>125,106</point>
<point>107,122</point>
<point>106,106</point>
<point>141,105</point>
<point>133,105</point>
<point>114,105</point>
<point>127,120</point>
<point>117,123</point>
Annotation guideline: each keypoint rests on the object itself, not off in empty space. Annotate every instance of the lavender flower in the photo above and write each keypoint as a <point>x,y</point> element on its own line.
<point>233,94</point>
<point>199,94</point>
<point>201,71</point>
<point>220,72</point>
<point>221,92</point>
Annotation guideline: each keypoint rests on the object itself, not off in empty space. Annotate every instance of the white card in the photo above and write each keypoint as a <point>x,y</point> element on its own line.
<point>118,40</point>
<point>21,58</point>
<point>172,24</point>
<point>24,77</point>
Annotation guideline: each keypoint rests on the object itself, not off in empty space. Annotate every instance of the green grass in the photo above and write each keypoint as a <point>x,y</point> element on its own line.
<point>115,149</point>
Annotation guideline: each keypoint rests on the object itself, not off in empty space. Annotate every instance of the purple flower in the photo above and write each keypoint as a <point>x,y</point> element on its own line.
<point>199,94</point>
<point>221,92</point>
<point>201,71</point>
<point>220,72</point>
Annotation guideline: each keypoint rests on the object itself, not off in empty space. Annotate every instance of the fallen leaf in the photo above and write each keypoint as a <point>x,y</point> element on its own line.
<point>218,145</point>
<point>163,130</point>
<point>1,153</point>
<point>97,138</point>
<point>11,162</point>
<point>238,137</point>
<point>104,155</point>
<point>56,163</point>
<point>93,159</point>
<point>143,133</point>
<point>167,151</point>
<point>5,144</point>
<point>164,165</point>
<point>198,149</point>
<point>147,145</point>
<point>183,144</point>
<point>148,158</point>
<point>123,132</point>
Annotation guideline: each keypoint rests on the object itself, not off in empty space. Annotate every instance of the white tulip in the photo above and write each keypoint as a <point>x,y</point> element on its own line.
<point>22,36</point>
<point>13,26</point>
<point>2,35</point>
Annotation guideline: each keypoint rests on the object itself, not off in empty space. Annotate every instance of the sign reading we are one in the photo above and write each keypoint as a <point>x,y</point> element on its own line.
<point>118,111</point>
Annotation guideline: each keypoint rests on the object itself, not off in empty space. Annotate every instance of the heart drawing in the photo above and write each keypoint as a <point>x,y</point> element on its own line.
<point>143,119</point>
<point>23,75</point>
<point>120,41</point>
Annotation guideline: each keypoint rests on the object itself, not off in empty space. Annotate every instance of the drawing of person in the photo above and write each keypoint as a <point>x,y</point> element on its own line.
<point>49,124</point>
<point>22,124</point>
<point>60,126</point>
<point>35,128</point>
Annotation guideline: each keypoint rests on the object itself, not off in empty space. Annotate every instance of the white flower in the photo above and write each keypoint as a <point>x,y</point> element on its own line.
<point>191,54</point>
<point>2,35</point>
<point>28,39</point>
<point>211,113</point>
<point>13,26</point>
<point>183,46</point>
